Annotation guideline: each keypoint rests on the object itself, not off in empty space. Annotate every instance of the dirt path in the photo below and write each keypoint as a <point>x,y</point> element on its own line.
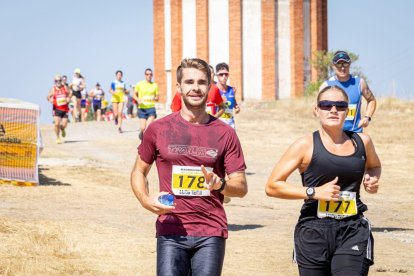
<point>84,219</point>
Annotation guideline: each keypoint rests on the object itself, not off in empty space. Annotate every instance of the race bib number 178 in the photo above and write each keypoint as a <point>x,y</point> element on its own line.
<point>189,181</point>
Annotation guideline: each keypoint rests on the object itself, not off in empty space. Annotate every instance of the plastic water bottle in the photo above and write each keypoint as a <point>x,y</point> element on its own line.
<point>167,199</point>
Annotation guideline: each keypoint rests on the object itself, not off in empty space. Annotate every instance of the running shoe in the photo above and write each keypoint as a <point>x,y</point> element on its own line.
<point>63,133</point>
<point>58,141</point>
<point>226,199</point>
<point>119,130</point>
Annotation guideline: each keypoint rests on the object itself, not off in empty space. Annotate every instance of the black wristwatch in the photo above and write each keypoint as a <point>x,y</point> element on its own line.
<point>310,192</point>
<point>368,117</point>
<point>223,185</point>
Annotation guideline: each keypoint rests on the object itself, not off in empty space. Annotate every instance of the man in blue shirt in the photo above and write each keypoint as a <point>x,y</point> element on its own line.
<point>356,88</point>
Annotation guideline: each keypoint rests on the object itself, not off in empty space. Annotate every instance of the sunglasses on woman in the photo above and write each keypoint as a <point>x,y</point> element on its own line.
<point>327,105</point>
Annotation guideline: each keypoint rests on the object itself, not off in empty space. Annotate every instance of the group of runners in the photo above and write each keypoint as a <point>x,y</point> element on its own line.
<point>73,99</point>
<point>200,160</point>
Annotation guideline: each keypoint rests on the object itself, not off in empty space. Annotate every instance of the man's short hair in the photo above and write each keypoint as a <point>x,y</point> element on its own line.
<point>221,66</point>
<point>148,69</point>
<point>119,71</point>
<point>193,63</point>
<point>340,56</point>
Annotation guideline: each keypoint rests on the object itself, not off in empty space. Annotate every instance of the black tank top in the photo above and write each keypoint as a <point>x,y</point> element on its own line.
<point>325,166</point>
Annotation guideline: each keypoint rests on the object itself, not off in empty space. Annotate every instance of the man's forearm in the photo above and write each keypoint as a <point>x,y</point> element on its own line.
<point>371,106</point>
<point>139,184</point>
<point>236,186</point>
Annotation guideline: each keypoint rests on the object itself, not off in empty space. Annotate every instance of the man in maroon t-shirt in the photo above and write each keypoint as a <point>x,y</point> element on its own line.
<point>194,152</point>
<point>214,105</point>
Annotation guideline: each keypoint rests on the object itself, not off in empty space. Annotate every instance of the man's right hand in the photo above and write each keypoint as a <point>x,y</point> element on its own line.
<point>156,207</point>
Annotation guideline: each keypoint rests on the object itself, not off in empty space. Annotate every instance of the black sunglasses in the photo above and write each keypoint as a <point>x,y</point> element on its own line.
<point>327,105</point>
<point>342,64</point>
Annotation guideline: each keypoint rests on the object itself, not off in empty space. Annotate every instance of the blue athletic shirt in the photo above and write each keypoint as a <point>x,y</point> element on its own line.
<point>229,99</point>
<point>352,87</point>
<point>118,86</point>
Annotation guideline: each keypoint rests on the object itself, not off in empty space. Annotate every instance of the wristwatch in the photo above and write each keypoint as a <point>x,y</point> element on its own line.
<point>223,185</point>
<point>368,117</point>
<point>310,192</point>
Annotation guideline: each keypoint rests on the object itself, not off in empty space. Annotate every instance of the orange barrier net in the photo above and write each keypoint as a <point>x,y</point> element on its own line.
<point>20,143</point>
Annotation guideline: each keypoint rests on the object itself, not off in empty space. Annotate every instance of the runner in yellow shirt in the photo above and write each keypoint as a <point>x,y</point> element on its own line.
<point>146,94</point>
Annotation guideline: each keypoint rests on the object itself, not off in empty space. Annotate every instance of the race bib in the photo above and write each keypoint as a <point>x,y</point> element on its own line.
<point>351,112</point>
<point>345,207</point>
<point>148,100</point>
<point>61,100</point>
<point>228,113</point>
<point>189,181</point>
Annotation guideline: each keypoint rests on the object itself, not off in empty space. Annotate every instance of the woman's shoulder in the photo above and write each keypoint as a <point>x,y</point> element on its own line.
<point>303,143</point>
<point>366,139</point>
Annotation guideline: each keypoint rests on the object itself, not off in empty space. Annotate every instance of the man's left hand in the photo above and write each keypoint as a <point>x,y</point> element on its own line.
<point>212,181</point>
<point>364,122</point>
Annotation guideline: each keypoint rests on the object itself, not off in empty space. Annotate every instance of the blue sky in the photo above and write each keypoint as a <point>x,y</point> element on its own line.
<point>380,32</point>
<point>42,38</point>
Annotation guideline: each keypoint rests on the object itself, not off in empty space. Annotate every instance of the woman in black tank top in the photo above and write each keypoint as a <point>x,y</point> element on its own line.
<point>332,164</point>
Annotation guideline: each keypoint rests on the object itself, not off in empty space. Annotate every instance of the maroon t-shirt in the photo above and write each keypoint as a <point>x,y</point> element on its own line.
<point>174,141</point>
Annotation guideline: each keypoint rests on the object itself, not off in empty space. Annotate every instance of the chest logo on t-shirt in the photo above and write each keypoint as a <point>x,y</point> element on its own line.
<point>193,151</point>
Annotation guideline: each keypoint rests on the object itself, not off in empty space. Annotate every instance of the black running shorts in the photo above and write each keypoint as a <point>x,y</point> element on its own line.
<point>60,113</point>
<point>335,245</point>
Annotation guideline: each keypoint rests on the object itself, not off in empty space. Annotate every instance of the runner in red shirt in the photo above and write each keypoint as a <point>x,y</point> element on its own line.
<point>214,105</point>
<point>59,96</point>
<point>193,152</point>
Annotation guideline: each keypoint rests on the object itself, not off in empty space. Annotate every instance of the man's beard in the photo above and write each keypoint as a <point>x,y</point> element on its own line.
<point>198,105</point>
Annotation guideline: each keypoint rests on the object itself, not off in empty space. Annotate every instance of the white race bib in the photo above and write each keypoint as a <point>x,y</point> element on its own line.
<point>61,100</point>
<point>351,112</point>
<point>189,181</point>
<point>345,207</point>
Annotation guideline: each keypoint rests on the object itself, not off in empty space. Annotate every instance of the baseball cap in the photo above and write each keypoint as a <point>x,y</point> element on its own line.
<point>341,56</point>
<point>77,71</point>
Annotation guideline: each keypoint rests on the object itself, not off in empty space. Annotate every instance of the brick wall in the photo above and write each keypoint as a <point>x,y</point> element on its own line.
<point>296,48</point>
<point>159,49</point>
<point>318,42</point>
<point>176,40</point>
<point>268,50</point>
<point>202,29</point>
<point>319,29</point>
<point>236,60</point>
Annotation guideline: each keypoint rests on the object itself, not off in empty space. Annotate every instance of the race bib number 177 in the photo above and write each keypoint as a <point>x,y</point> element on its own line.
<point>345,206</point>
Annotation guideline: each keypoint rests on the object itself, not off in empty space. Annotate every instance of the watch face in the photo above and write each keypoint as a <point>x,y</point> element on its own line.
<point>310,191</point>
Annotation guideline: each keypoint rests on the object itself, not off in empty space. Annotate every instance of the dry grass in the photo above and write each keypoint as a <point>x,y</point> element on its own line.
<point>84,220</point>
<point>39,248</point>
<point>393,121</point>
